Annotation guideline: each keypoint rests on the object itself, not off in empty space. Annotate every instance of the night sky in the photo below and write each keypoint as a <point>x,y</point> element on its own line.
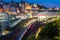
<point>47,3</point>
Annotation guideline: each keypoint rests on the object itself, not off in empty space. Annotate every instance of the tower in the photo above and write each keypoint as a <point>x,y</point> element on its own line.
<point>22,7</point>
<point>13,9</point>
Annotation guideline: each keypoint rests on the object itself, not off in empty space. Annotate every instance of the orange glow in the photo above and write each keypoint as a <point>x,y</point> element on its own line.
<point>28,7</point>
<point>1,10</point>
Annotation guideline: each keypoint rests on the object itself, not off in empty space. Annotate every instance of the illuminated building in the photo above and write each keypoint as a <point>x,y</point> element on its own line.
<point>1,10</point>
<point>1,3</point>
<point>22,7</point>
<point>6,8</point>
<point>13,9</point>
<point>4,22</point>
<point>28,7</point>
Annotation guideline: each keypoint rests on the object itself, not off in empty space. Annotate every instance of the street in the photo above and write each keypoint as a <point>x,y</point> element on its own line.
<point>31,30</point>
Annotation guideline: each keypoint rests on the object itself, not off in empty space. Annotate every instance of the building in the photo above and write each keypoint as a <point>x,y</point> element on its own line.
<point>12,8</point>
<point>27,6</point>
<point>22,7</point>
<point>6,8</point>
<point>1,3</point>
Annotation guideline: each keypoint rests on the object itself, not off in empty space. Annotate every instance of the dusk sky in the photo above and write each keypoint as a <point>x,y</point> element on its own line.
<point>47,3</point>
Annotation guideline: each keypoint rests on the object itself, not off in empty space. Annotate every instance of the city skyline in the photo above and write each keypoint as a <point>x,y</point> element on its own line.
<point>47,3</point>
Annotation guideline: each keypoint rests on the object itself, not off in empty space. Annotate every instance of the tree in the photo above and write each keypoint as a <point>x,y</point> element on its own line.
<point>50,31</point>
<point>58,25</point>
<point>31,37</point>
<point>59,13</point>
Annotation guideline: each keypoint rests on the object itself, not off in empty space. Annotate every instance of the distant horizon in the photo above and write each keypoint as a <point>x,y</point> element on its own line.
<point>47,3</point>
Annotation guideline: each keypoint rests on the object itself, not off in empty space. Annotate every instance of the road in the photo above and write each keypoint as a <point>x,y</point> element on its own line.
<point>23,33</point>
<point>25,29</point>
<point>29,30</point>
<point>17,30</point>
